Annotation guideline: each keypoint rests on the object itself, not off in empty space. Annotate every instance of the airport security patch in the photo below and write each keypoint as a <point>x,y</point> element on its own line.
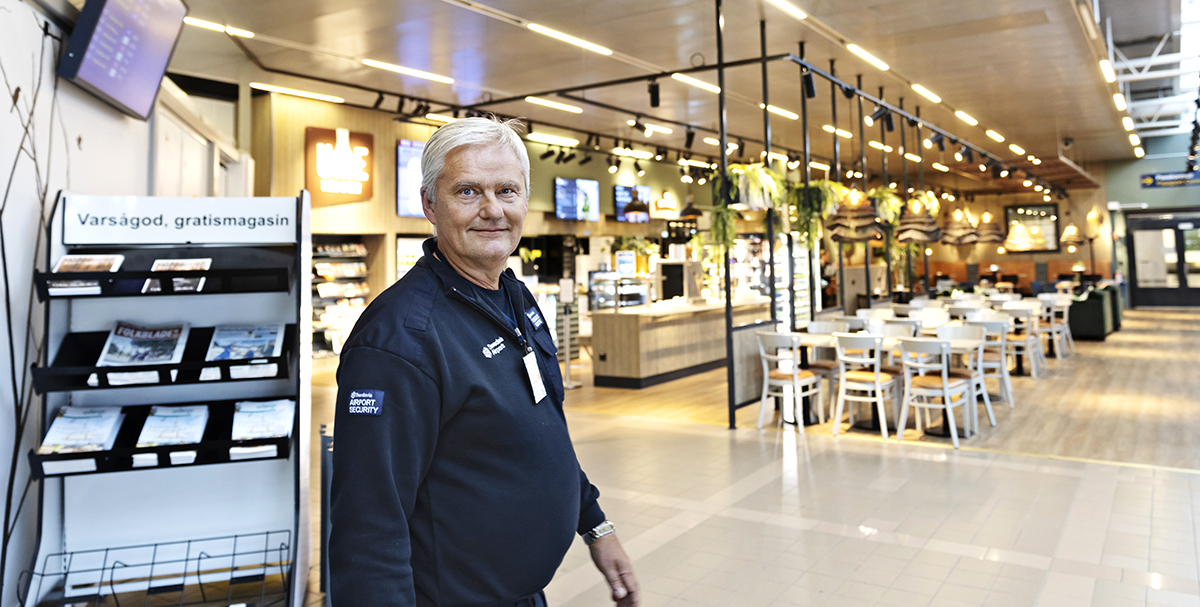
<point>534,318</point>
<point>366,402</point>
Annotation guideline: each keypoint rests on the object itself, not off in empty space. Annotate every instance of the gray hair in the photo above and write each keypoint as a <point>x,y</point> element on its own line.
<point>470,131</point>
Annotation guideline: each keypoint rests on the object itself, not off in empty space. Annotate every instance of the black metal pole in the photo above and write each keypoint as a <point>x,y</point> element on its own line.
<point>814,282</point>
<point>729,374</point>
<point>862,157</point>
<point>905,196</point>
<point>762,39</point>
<point>887,240</point>
<point>837,172</point>
<point>921,178</point>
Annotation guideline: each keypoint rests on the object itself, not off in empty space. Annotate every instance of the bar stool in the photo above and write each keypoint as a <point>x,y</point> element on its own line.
<point>862,373</point>
<point>802,381</point>
<point>921,390</point>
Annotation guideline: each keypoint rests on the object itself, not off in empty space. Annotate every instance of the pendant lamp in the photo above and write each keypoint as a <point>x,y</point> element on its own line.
<point>918,225</point>
<point>855,221</point>
<point>959,231</point>
<point>690,211</point>
<point>636,206</point>
<point>990,231</point>
<point>1071,238</point>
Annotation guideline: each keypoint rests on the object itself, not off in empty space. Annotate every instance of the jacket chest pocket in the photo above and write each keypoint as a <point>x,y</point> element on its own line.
<point>549,355</point>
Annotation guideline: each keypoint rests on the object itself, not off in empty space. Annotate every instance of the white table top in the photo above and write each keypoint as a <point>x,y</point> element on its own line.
<point>958,346</point>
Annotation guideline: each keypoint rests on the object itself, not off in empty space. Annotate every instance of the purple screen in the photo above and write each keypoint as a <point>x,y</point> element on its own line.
<point>129,50</point>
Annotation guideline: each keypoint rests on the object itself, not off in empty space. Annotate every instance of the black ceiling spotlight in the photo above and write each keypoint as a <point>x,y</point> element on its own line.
<point>810,84</point>
<point>569,157</point>
<point>968,154</point>
<point>548,153</point>
<point>953,140</point>
<point>937,139</point>
<point>876,115</point>
<point>653,93</point>
<point>638,167</point>
<point>637,124</point>
<point>586,159</point>
<point>913,122</point>
<point>742,147</point>
<point>997,173</point>
<point>659,153</point>
<point>848,91</point>
<point>689,139</point>
<point>378,102</point>
<point>561,156</point>
<point>614,165</point>
<point>1005,172</point>
<point>888,123</point>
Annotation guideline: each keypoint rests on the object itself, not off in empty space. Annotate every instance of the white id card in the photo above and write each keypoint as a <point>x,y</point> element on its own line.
<point>535,378</point>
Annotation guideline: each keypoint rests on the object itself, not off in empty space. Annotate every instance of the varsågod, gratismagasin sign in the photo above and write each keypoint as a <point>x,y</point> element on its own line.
<point>158,220</point>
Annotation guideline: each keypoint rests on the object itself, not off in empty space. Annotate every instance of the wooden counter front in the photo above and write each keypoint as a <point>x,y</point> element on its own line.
<point>640,346</point>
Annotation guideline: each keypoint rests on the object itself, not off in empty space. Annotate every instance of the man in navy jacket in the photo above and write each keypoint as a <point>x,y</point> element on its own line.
<point>455,482</point>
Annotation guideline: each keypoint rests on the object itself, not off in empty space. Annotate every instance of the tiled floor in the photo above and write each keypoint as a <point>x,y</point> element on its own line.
<point>772,518</point>
<point>747,517</point>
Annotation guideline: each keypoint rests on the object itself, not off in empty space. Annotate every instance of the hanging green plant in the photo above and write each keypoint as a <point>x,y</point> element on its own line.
<point>809,206</point>
<point>762,187</point>
<point>724,226</point>
<point>888,205</point>
<point>636,243</point>
<point>720,181</point>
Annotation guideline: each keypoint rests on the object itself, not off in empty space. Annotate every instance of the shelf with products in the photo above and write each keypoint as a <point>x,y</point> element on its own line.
<point>153,271</point>
<point>348,270</point>
<point>214,446</point>
<point>250,317</point>
<point>607,290</point>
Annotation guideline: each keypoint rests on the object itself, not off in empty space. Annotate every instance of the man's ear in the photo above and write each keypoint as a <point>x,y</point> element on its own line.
<point>427,207</point>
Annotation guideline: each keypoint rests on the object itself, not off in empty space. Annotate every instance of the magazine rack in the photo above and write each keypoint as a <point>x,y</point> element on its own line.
<point>108,506</point>
<point>250,568</point>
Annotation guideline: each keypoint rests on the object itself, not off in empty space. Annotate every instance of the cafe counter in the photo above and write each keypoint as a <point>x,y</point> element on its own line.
<point>640,346</point>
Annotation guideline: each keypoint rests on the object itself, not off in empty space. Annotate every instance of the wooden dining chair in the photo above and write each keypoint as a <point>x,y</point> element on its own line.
<point>863,379</point>
<point>803,382</point>
<point>927,380</point>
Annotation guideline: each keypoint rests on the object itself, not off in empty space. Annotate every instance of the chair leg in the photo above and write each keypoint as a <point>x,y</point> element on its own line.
<point>1012,403</point>
<point>904,417</point>
<point>946,402</point>
<point>762,404</point>
<point>841,402</point>
<point>987,404</point>
<point>883,418</point>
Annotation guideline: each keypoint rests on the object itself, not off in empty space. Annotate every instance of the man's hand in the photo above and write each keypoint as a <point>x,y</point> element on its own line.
<point>612,561</point>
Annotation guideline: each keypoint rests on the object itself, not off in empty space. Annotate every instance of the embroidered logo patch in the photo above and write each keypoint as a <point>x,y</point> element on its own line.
<point>366,402</point>
<point>494,348</point>
<point>534,318</point>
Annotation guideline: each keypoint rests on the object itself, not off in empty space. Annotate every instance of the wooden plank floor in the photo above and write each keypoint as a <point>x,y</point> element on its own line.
<point>1134,398</point>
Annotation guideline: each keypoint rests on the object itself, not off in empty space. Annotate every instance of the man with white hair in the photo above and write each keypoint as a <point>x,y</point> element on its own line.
<point>455,482</point>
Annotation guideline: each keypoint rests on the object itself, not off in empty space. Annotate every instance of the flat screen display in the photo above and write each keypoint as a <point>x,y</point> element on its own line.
<point>1031,228</point>
<point>408,178</point>
<point>120,49</point>
<point>623,194</point>
<point>577,199</point>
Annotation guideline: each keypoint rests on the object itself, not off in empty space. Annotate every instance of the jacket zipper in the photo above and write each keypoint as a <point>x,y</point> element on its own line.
<point>513,331</point>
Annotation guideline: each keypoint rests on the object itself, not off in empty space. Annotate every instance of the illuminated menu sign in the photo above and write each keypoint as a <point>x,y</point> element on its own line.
<point>338,165</point>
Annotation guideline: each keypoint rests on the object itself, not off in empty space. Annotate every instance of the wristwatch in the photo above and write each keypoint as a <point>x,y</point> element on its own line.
<point>598,532</point>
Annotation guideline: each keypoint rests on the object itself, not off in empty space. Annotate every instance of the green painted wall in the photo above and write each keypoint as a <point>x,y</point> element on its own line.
<point>1124,177</point>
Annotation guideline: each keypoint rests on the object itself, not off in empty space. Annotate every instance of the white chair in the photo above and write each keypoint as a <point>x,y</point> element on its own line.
<point>973,372</point>
<point>931,317</point>
<point>921,390</point>
<point>802,381</point>
<point>825,368</point>
<point>988,316</point>
<point>863,375</point>
<point>855,323</point>
<point>995,355</point>
<point>900,309</point>
<point>875,313</point>
<point>1027,343</point>
<point>926,303</point>
<point>1055,322</point>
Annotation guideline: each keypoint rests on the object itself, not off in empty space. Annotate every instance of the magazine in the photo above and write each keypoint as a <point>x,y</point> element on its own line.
<point>181,265</point>
<point>80,429</point>
<point>241,342</point>
<point>88,263</point>
<point>263,419</point>
<point>178,285</point>
<point>82,263</point>
<point>130,344</point>
<point>173,426</point>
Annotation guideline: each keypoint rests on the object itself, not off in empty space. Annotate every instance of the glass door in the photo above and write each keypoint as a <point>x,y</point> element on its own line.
<point>1165,260</point>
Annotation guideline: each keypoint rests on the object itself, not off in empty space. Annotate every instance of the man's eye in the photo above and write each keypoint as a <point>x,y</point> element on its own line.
<point>467,192</point>
<point>508,191</point>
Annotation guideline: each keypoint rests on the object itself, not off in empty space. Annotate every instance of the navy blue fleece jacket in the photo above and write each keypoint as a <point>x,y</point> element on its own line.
<point>451,486</point>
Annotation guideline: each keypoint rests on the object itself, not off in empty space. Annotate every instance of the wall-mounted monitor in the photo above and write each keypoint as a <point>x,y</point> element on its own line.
<point>1032,228</point>
<point>623,195</point>
<point>120,49</point>
<point>408,178</point>
<point>577,199</point>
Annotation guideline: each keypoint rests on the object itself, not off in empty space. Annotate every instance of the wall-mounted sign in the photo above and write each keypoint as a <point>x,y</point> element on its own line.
<point>339,166</point>
<point>161,220</point>
<point>1170,180</point>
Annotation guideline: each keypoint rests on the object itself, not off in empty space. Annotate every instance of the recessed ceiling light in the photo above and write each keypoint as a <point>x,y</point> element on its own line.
<point>408,71</point>
<point>236,31</point>
<point>1119,100</point>
<point>927,93</point>
<point>441,118</point>
<point>965,117</point>
<point>595,48</point>
<point>554,104</point>
<point>208,25</point>
<point>912,157</point>
<point>868,57</point>
<point>818,165</point>
<point>941,167</point>
<point>1107,68</point>
<point>1135,140</point>
<point>1139,152</point>
<point>697,83</point>
<point>1127,122</point>
<point>780,111</point>
<point>295,92</point>
<point>995,135</point>
<point>789,8</point>
<point>552,139</point>
<point>1018,150</point>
